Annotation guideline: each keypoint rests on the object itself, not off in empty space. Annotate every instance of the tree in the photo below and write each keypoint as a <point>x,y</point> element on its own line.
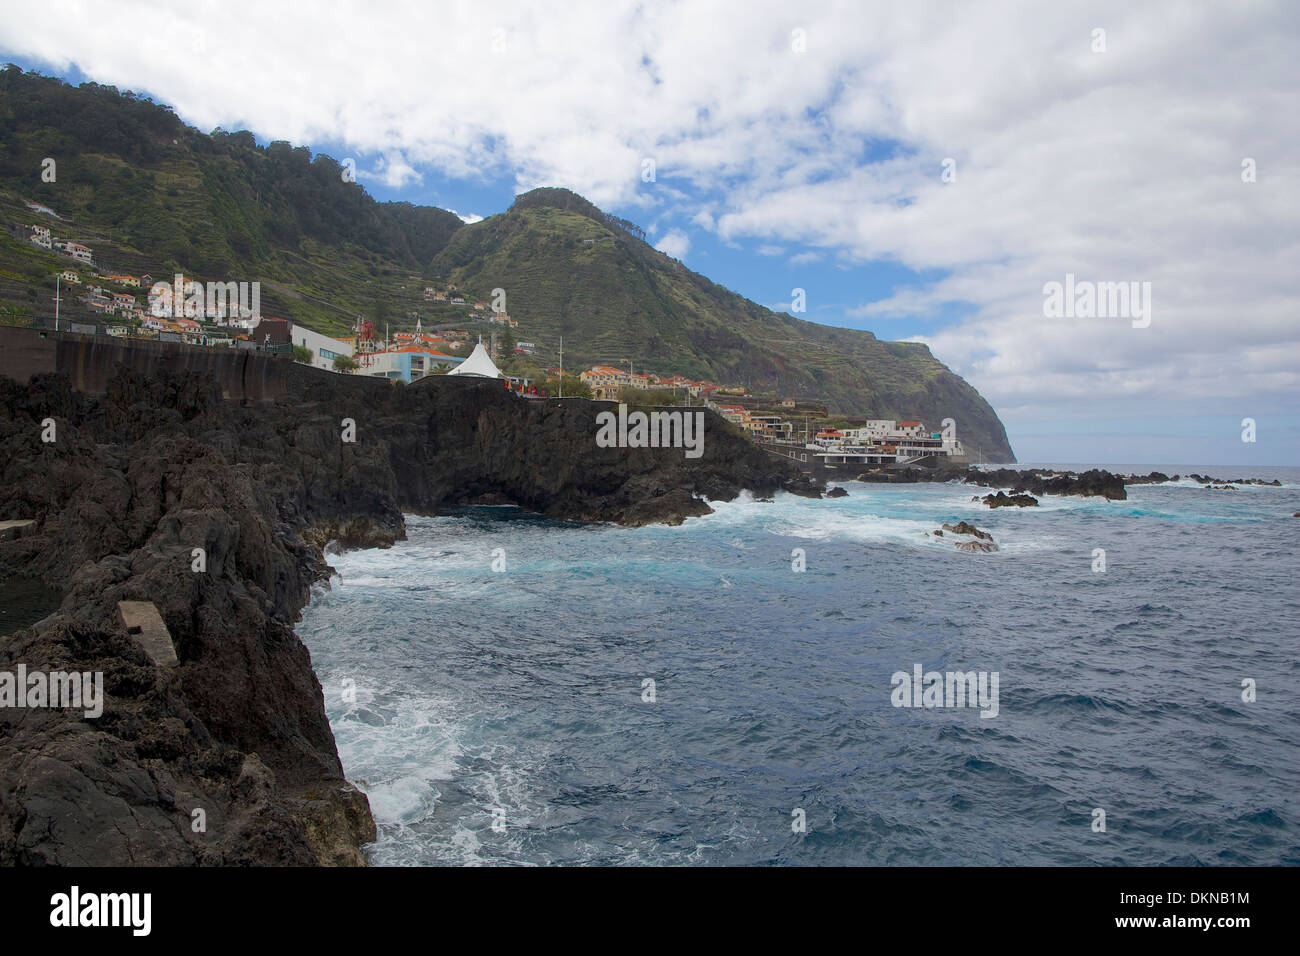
<point>303,354</point>
<point>647,396</point>
<point>574,387</point>
<point>345,363</point>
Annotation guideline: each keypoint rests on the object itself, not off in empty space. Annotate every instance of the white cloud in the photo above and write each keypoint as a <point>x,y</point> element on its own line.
<point>770,250</point>
<point>393,171</point>
<point>674,243</point>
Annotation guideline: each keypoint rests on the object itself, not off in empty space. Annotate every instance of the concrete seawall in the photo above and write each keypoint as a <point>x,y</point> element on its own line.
<point>90,361</point>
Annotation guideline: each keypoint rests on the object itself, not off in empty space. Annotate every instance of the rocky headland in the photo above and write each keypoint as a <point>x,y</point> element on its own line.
<point>226,757</point>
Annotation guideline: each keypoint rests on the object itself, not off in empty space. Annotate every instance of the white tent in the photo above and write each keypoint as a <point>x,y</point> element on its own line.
<point>479,363</point>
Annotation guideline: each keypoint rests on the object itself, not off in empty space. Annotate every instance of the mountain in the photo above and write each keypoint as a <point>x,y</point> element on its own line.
<point>569,269</point>
<point>151,194</point>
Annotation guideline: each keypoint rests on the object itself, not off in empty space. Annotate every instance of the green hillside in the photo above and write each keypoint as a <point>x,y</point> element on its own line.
<point>152,195</point>
<point>568,270</point>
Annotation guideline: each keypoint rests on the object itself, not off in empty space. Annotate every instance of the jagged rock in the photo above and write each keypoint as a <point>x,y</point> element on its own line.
<point>1095,482</point>
<point>1003,500</point>
<point>1033,481</point>
<point>1154,478</point>
<point>964,527</point>
<point>983,540</point>
<point>837,493</point>
<point>157,467</point>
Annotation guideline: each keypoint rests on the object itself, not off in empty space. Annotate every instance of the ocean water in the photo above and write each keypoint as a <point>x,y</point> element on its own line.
<point>502,717</point>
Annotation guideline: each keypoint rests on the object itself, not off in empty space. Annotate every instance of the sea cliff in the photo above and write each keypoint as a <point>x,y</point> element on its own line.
<point>217,512</point>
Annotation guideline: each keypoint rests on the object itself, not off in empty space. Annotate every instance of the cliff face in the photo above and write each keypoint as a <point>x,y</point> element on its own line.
<point>138,478</point>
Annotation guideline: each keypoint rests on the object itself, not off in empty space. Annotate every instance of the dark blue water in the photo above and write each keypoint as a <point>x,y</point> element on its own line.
<point>521,691</point>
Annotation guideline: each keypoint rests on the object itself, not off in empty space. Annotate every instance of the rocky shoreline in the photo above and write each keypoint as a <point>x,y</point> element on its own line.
<point>227,757</point>
<point>1028,482</point>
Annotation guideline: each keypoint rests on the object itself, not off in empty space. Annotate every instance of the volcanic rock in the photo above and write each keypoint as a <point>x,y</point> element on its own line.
<point>161,469</point>
<point>1003,500</point>
<point>964,527</point>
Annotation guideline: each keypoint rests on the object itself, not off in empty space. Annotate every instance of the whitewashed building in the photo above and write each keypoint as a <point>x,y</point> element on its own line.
<point>323,348</point>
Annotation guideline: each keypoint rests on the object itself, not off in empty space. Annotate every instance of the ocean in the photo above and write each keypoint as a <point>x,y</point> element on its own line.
<point>1145,711</point>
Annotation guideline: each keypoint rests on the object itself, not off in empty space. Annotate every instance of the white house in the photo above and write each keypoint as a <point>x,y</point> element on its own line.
<point>323,348</point>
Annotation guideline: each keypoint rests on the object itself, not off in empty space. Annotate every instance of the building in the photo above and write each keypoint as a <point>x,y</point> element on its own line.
<point>408,363</point>
<point>77,251</point>
<point>71,277</point>
<point>101,303</point>
<point>132,281</point>
<point>604,381</point>
<point>770,426</point>
<point>736,414</point>
<point>41,237</point>
<point>272,331</point>
<point>324,349</point>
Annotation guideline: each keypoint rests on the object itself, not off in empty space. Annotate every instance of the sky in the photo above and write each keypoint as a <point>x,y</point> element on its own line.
<point>922,171</point>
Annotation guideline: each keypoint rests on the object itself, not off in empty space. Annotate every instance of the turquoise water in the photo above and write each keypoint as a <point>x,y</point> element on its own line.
<point>455,690</point>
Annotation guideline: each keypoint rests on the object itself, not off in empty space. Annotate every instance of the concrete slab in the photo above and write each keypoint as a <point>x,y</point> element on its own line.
<point>16,529</point>
<point>142,620</point>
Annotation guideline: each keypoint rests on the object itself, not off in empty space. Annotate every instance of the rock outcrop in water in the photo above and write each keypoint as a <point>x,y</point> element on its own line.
<point>1030,481</point>
<point>228,758</point>
<point>1004,500</point>
<point>983,542</point>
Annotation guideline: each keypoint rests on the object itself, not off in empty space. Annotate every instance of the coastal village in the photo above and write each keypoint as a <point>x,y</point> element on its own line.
<point>224,315</point>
